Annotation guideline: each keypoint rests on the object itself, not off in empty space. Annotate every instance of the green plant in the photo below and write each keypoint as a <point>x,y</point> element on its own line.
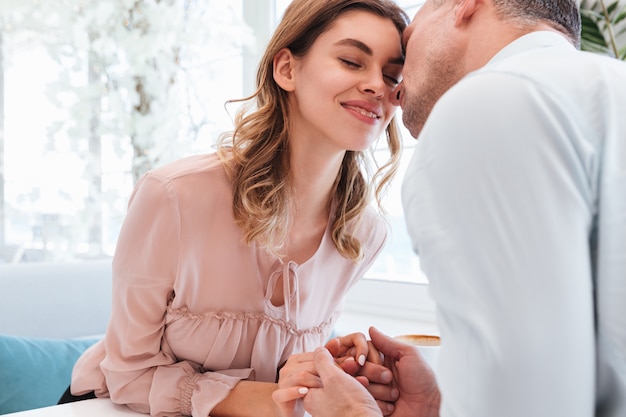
<point>604,27</point>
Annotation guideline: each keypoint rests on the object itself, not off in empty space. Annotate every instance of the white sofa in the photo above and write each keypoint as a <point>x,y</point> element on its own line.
<point>55,300</point>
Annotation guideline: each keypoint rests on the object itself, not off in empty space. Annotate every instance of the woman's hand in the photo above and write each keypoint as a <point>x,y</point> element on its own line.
<point>360,358</point>
<point>355,347</point>
<point>295,379</point>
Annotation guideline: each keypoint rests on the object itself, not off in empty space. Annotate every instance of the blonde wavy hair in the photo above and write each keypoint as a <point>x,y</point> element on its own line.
<point>256,153</point>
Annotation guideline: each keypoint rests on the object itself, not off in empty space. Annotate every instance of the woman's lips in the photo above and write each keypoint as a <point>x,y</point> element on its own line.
<point>363,110</point>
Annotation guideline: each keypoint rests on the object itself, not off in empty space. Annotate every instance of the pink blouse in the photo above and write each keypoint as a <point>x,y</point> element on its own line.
<point>191,312</point>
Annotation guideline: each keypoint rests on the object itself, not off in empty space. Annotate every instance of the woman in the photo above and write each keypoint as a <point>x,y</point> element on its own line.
<point>229,263</point>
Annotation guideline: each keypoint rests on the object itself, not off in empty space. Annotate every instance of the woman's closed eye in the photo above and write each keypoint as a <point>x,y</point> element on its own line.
<point>392,80</point>
<point>350,63</point>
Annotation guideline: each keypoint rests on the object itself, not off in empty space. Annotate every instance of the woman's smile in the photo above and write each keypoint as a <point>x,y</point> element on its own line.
<point>363,110</point>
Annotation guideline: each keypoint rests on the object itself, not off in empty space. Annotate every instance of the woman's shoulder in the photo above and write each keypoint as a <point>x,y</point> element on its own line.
<point>372,217</point>
<point>190,166</point>
<point>373,227</point>
<point>185,179</point>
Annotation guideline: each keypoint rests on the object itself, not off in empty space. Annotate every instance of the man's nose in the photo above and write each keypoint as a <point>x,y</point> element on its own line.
<point>396,95</point>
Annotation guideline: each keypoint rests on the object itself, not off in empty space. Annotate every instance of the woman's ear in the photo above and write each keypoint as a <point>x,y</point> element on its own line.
<point>284,64</point>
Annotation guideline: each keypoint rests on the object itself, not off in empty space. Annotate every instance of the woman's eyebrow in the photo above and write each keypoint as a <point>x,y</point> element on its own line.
<point>366,49</point>
<point>357,44</point>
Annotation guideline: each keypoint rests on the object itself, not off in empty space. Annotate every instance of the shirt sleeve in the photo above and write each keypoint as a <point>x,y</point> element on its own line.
<point>139,368</point>
<point>498,206</point>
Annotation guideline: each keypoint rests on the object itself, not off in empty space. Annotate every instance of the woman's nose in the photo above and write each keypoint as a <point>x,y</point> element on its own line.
<point>374,84</point>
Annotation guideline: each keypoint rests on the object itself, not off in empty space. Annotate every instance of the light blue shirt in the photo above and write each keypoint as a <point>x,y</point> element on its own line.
<point>515,201</point>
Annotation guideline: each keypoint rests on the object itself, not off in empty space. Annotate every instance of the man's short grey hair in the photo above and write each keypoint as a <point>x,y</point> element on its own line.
<point>562,15</point>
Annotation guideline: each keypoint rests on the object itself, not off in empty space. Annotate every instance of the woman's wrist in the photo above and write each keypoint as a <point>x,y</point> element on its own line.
<point>248,398</point>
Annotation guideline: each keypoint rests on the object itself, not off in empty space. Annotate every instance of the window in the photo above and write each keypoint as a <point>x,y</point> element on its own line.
<point>70,95</point>
<point>93,96</point>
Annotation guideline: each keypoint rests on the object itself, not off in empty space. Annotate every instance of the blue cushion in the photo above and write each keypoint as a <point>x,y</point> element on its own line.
<point>36,372</point>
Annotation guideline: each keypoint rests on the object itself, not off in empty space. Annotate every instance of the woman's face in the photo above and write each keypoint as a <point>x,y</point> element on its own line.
<point>341,92</point>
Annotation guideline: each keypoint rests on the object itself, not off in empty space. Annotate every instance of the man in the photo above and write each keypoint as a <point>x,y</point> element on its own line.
<point>516,203</point>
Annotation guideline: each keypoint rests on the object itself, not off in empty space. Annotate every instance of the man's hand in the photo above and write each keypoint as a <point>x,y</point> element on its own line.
<point>418,394</point>
<point>341,395</point>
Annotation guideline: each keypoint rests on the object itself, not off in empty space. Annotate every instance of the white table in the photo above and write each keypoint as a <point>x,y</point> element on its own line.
<point>99,407</point>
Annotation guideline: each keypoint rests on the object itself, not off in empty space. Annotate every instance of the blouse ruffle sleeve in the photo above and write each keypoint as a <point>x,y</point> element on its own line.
<point>139,368</point>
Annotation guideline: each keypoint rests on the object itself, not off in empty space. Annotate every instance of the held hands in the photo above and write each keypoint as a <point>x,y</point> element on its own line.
<point>404,385</point>
<point>352,355</point>
<point>332,382</point>
<point>368,367</point>
<point>341,396</point>
<point>353,352</point>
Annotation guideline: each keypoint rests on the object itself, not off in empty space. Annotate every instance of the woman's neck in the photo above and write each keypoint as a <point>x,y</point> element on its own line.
<point>312,184</point>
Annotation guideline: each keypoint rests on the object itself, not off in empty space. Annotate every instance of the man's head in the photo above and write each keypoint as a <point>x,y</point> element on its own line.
<point>450,38</point>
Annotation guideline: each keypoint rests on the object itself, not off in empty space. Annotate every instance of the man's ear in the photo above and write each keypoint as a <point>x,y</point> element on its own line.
<point>284,65</point>
<point>465,9</point>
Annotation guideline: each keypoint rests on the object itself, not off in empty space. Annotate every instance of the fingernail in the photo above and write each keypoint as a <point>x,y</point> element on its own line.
<point>386,376</point>
<point>395,393</point>
<point>362,360</point>
<point>390,407</point>
<point>303,390</point>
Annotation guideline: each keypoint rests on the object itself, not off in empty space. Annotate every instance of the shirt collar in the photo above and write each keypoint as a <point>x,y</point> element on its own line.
<point>530,41</point>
